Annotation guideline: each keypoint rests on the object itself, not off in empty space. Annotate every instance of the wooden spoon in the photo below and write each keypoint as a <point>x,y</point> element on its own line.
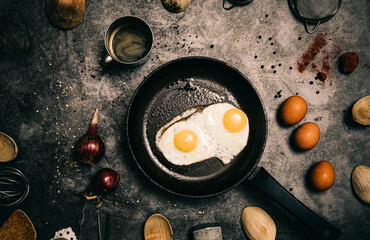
<point>361,182</point>
<point>8,148</point>
<point>157,227</point>
<point>257,224</point>
<point>18,226</point>
<point>361,111</point>
<point>65,14</point>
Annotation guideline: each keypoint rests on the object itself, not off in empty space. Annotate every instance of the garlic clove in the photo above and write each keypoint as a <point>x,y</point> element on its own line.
<point>157,227</point>
<point>8,148</point>
<point>257,224</point>
<point>361,111</point>
<point>361,182</point>
<point>175,6</point>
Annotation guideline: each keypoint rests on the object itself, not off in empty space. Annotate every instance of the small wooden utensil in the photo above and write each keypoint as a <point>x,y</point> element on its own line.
<point>361,111</point>
<point>18,227</point>
<point>257,224</point>
<point>8,148</point>
<point>361,182</point>
<point>157,227</point>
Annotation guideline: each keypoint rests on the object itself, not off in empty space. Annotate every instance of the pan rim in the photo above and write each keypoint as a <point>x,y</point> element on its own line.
<point>263,143</point>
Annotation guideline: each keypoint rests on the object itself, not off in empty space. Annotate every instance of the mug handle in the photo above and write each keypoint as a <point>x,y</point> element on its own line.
<point>106,61</point>
<point>266,183</point>
<point>229,7</point>
<point>237,3</point>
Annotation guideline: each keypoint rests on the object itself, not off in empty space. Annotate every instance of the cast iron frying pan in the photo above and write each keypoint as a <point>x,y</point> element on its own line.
<point>176,87</point>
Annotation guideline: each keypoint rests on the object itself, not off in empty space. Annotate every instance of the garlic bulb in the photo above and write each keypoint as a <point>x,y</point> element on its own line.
<point>257,224</point>
<point>361,182</point>
<point>361,111</point>
<point>175,6</point>
<point>65,14</point>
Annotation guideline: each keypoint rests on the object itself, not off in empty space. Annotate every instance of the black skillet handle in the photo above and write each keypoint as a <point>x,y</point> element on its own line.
<point>265,182</point>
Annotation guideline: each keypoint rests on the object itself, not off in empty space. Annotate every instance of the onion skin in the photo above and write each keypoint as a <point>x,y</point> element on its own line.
<point>175,6</point>
<point>65,14</point>
<point>104,181</point>
<point>90,147</point>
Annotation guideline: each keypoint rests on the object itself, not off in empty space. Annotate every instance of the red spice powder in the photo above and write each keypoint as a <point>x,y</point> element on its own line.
<point>310,54</point>
<point>320,57</point>
<point>325,64</point>
<point>322,76</point>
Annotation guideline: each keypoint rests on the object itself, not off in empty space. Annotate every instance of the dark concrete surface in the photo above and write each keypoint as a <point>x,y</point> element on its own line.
<point>48,95</point>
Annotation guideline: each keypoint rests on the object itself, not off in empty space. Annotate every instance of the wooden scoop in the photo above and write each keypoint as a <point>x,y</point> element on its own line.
<point>18,227</point>
<point>65,14</point>
<point>8,148</point>
<point>157,227</point>
<point>361,111</point>
<point>257,224</point>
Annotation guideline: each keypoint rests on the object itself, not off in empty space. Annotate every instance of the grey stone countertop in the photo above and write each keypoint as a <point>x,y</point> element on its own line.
<point>48,95</point>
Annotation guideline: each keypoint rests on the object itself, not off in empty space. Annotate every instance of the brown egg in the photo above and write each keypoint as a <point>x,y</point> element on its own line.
<point>293,110</point>
<point>307,136</point>
<point>323,176</point>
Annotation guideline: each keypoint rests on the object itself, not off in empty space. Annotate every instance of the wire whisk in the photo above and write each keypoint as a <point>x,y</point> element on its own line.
<point>15,35</point>
<point>14,186</point>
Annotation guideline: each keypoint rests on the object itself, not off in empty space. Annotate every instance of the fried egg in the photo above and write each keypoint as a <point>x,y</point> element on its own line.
<point>229,127</point>
<point>218,130</point>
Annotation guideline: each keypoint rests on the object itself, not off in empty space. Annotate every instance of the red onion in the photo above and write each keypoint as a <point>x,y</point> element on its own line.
<point>90,147</point>
<point>105,180</point>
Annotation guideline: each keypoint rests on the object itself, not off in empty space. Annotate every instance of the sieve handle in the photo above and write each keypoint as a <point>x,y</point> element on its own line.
<point>314,28</point>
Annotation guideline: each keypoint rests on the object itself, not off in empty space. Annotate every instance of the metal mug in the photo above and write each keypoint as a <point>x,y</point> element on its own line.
<point>139,30</point>
<point>234,3</point>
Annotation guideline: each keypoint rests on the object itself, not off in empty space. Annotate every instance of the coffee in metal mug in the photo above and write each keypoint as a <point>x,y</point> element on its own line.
<point>128,41</point>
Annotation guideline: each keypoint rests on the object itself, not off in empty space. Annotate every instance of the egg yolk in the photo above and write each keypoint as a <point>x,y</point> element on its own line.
<point>235,120</point>
<point>185,140</point>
